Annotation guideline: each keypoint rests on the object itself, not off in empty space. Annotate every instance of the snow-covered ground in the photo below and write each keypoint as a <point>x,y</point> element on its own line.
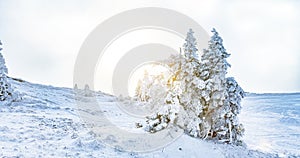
<point>46,123</point>
<point>272,123</point>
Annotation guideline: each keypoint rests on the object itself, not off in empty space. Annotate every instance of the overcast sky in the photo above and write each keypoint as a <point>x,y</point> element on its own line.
<point>41,39</point>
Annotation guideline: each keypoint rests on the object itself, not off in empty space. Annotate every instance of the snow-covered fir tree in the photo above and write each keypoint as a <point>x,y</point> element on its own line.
<point>6,92</point>
<point>190,46</point>
<point>152,89</point>
<point>142,90</point>
<point>235,94</point>
<point>213,70</point>
<point>199,97</point>
<point>184,91</point>
<point>191,86</point>
<point>167,113</point>
<point>168,103</point>
<point>215,98</point>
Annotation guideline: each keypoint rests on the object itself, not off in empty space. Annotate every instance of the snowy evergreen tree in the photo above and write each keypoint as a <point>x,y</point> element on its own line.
<point>167,113</point>
<point>235,95</point>
<point>6,92</point>
<point>142,89</point>
<point>170,105</point>
<point>190,46</point>
<point>217,108</point>
<point>200,99</point>
<point>191,86</point>
<point>184,90</point>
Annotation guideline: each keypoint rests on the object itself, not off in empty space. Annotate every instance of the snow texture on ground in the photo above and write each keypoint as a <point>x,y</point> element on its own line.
<point>46,123</point>
<point>272,123</point>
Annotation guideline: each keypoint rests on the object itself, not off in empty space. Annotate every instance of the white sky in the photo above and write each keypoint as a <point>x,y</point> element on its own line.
<point>42,38</point>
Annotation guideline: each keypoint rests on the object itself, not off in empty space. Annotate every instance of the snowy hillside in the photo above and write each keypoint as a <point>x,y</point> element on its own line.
<point>46,123</point>
<point>272,122</point>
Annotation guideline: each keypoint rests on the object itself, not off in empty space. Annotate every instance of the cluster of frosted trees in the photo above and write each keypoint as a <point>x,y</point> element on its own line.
<point>6,92</point>
<point>197,97</point>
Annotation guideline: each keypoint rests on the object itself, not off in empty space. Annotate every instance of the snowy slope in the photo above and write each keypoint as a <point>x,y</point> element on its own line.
<point>46,123</point>
<point>272,123</point>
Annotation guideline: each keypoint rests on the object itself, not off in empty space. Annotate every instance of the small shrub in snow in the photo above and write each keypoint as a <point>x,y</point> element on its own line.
<point>87,91</point>
<point>75,87</point>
